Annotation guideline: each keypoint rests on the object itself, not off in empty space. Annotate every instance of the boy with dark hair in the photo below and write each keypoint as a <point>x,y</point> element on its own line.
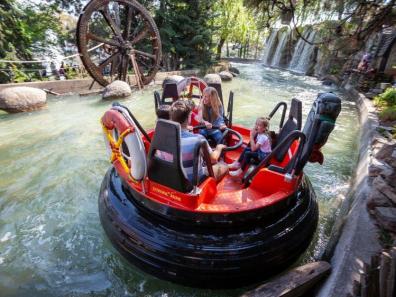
<point>181,113</point>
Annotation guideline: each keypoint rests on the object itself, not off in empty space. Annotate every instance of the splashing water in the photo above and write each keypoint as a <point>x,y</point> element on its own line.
<point>53,161</point>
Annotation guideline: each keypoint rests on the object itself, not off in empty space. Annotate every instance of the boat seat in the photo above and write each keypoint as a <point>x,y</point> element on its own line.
<point>294,122</point>
<point>170,91</point>
<point>165,160</point>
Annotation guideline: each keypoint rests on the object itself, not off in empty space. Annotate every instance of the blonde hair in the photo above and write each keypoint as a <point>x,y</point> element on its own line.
<point>264,122</point>
<point>215,104</point>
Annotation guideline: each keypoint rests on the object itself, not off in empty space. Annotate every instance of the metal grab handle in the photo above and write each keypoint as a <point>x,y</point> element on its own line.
<point>284,105</point>
<point>293,161</point>
<point>201,146</point>
<point>141,129</point>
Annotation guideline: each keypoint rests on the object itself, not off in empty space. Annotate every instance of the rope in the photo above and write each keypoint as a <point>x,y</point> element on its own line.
<point>42,61</point>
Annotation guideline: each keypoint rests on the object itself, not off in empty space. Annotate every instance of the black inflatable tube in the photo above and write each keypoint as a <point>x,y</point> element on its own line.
<point>203,255</point>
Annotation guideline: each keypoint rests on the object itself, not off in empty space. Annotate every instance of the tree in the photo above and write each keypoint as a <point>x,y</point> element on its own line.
<point>13,39</point>
<point>352,20</point>
<point>25,29</point>
<point>186,32</point>
<point>226,20</point>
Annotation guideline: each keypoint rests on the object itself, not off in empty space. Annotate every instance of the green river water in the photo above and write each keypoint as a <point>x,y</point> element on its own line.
<point>53,161</point>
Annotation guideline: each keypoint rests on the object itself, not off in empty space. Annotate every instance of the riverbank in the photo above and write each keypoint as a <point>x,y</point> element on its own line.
<point>87,85</point>
<point>355,236</point>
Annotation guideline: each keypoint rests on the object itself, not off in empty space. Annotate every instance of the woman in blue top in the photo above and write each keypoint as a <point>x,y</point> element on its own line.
<point>211,111</point>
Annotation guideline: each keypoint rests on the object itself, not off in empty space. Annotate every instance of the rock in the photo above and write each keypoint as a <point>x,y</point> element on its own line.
<point>234,70</point>
<point>19,99</point>
<point>378,141</point>
<point>386,151</point>
<point>386,217</point>
<point>117,89</point>
<point>376,91</point>
<point>389,177</point>
<point>384,86</point>
<point>381,185</point>
<point>370,95</point>
<point>212,78</point>
<point>172,79</point>
<point>225,76</point>
<point>330,79</point>
<point>386,128</point>
<point>234,74</point>
<point>377,167</point>
<point>377,199</point>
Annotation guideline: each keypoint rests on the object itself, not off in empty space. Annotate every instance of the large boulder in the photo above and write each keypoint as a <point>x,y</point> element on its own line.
<point>212,78</point>
<point>172,79</point>
<point>225,76</point>
<point>234,70</point>
<point>20,99</point>
<point>117,89</point>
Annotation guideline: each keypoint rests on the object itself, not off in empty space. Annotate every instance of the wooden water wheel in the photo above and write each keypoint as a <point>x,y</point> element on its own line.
<point>116,38</point>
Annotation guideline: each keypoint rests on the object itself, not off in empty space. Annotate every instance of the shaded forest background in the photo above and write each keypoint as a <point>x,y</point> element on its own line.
<point>196,33</point>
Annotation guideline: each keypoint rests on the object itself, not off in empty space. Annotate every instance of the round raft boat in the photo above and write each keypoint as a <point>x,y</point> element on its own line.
<point>206,233</point>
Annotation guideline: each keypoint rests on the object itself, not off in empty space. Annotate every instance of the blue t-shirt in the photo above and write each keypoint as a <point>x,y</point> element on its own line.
<point>217,121</point>
<point>188,142</point>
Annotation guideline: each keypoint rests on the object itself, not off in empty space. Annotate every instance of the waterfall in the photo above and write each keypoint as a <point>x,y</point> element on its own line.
<point>280,47</point>
<point>269,45</point>
<point>302,53</point>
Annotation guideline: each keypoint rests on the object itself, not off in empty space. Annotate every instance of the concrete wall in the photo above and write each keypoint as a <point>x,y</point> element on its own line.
<point>80,85</point>
<point>354,237</point>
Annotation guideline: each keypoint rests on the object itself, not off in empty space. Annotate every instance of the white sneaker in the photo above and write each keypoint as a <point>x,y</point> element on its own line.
<point>236,172</point>
<point>234,165</point>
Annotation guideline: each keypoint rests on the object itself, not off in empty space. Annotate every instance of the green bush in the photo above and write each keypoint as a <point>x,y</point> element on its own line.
<point>19,75</point>
<point>387,98</point>
<point>388,113</point>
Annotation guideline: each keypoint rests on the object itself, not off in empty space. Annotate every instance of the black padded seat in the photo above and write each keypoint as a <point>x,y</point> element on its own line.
<point>167,139</point>
<point>319,124</point>
<point>294,122</point>
<point>170,91</point>
<point>168,173</point>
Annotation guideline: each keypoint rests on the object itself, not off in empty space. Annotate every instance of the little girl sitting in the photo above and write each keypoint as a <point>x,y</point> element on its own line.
<point>259,147</point>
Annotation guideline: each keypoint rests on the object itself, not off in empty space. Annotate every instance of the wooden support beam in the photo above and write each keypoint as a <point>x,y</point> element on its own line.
<point>356,288</point>
<point>391,279</point>
<point>383,273</point>
<point>364,280</point>
<point>374,276</point>
<point>294,283</point>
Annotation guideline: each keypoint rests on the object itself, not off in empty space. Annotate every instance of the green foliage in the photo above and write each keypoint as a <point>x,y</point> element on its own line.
<point>350,21</point>
<point>388,113</point>
<point>13,37</point>
<point>19,76</point>
<point>387,104</point>
<point>25,27</point>
<point>186,32</point>
<point>387,98</point>
<point>71,73</point>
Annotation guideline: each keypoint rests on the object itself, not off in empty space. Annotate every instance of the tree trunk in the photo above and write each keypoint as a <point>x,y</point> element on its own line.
<point>245,50</point>
<point>228,50</point>
<point>219,47</point>
<point>257,41</point>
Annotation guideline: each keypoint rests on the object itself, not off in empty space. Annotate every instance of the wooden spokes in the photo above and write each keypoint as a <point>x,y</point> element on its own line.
<point>118,38</point>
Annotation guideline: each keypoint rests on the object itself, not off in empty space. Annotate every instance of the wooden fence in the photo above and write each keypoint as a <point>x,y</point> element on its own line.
<point>377,278</point>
